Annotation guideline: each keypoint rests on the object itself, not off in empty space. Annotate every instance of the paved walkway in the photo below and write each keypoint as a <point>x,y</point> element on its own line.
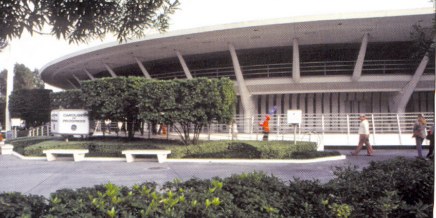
<point>43,178</point>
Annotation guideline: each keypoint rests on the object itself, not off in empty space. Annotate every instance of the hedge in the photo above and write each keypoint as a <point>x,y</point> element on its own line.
<point>207,149</point>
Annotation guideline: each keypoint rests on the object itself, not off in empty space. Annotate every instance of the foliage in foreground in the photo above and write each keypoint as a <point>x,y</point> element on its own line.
<point>395,188</point>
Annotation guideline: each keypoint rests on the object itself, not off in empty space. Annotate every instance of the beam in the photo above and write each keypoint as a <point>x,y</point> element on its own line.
<point>184,65</point>
<point>246,98</point>
<point>399,101</point>
<point>72,84</point>
<point>89,74</point>
<point>76,78</point>
<point>357,73</point>
<point>295,61</point>
<point>109,69</point>
<point>144,71</point>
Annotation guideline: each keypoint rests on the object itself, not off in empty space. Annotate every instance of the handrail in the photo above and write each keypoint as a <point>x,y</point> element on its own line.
<point>403,66</point>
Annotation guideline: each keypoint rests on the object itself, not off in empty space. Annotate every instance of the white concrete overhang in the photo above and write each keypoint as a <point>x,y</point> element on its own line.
<point>384,26</point>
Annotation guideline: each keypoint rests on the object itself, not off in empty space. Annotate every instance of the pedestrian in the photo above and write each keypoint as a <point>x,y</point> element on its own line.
<point>265,127</point>
<point>419,133</point>
<point>430,137</point>
<point>363,136</point>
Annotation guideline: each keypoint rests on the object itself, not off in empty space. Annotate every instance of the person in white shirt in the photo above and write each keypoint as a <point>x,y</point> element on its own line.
<point>363,136</point>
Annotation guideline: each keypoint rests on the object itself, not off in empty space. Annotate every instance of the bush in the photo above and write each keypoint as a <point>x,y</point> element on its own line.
<point>112,147</point>
<point>395,188</point>
<point>21,143</point>
<point>18,205</point>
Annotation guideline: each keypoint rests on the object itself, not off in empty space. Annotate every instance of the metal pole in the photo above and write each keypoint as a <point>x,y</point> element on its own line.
<point>321,146</point>
<point>373,128</point>
<point>348,129</point>
<point>399,129</point>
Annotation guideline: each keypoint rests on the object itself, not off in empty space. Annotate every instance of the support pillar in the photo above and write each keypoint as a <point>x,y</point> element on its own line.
<point>357,73</point>
<point>295,61</point>
<point>246,98</point>
<point>399,101</point>
<point>144,71</point>
<point>76,78</point>
<point>184,65</point>
<point>109,69</point>
<point>89,74</point>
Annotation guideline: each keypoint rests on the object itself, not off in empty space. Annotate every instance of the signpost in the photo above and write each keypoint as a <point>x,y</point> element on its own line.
<point>294,118</point>
<point>70,122</point>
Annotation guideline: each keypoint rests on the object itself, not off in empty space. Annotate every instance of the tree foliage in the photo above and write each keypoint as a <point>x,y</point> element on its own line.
<point>69,99</point>
<point>31,105</point>
<point>190,104</point>
<point>81,20</point>
<point>24,78</point>
<point>115,99</point>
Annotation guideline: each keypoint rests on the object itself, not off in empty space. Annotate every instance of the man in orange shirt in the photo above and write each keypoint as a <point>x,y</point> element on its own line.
<point>265,127</point>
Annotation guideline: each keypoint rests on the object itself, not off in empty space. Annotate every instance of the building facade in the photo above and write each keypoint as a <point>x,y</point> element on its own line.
<point>333,64</point>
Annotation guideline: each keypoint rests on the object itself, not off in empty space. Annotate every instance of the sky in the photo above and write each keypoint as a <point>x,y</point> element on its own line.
<point>36,51</point>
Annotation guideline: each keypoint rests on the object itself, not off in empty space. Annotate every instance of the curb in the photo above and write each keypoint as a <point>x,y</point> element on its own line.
<point>121,159</point>
<point>314,160</point>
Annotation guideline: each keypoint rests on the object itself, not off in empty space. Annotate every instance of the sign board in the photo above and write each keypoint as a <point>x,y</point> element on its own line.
<point>70,122</point>
<point>294,117</point>
<point>17,122</point>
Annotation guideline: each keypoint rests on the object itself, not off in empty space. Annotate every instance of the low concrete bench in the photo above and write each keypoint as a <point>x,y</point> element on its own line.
<point>78,154</point>
<point>161,154</point>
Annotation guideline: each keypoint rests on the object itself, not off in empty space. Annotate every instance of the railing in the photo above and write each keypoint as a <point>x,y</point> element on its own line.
<point>385,128</point>
<point>306,68</point>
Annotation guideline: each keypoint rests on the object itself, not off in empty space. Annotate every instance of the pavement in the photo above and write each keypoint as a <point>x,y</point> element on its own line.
<point>40,177</point>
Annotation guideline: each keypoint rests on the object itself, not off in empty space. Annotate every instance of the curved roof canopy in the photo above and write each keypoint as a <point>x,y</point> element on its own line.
<point>310,30</point>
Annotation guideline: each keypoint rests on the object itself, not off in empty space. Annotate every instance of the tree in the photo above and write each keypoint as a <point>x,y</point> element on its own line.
<point>24,78</point>
<point>188,105</point>
<point>69,99</point>
<point>81,20</point>
<point>31,105</point>
<point>115,99</point>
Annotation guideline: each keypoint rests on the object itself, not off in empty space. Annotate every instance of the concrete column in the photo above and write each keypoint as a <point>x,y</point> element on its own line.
<point>246,98</point>
<point>318,103</point>
<point>360,59</point>
<point>335,106</point>
<point>76,78</point>
<point>109,69</point>
<point>184,65</point>
<point>72,84</point>
<point>89,74</point>
<point>143,70</point>
<point>399,101</point>
<point>294,102</point>
<point>295,61</point>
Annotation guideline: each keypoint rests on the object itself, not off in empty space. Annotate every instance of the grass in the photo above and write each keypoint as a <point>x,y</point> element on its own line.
<point>112,147</point>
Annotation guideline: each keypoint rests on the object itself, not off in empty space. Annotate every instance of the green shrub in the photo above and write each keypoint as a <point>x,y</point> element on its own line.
<point>18,205</point>
<point>395,188</point>
<point>112,147</point>
<point>21,143</point>
<point>313,154</point>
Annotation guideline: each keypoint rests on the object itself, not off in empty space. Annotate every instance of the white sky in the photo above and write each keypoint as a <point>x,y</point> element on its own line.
<point>37,51</point>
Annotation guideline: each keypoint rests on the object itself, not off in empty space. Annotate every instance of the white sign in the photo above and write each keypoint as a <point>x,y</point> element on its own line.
<point>294,117</point>
<point>70,122</point>
<point>17,122</point>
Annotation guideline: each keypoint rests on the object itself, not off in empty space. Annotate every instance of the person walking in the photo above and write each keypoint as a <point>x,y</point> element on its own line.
<point>265,127</point>
<point>363,137</point>
<point>430,137</point>
<point>419,133</point>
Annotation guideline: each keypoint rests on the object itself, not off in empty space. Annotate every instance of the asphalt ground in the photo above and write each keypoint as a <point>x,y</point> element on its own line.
<point>40,177</point>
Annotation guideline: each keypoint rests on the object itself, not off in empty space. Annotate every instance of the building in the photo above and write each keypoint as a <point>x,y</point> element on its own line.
<point>330,64</point>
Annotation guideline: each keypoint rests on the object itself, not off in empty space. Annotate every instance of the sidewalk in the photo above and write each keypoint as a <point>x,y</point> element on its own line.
<point>42,177</point>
